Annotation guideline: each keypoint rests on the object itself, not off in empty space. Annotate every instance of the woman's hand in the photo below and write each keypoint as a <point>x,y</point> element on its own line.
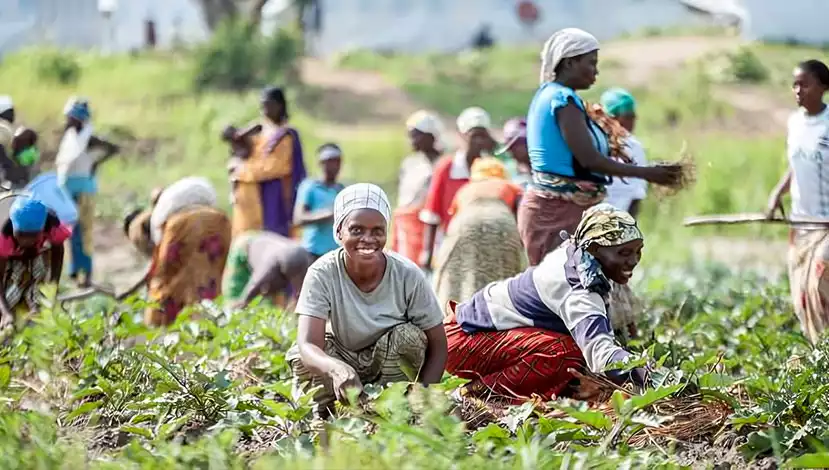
<point>344,377</point>
<point>775,203</point>
<point>663,175</point>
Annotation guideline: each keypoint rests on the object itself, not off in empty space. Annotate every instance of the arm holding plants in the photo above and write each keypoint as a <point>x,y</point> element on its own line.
<point>585,315</point>
<point>314,308</point>
<point>311,343</point>
<point>571,121</point>
<point>783,187</point>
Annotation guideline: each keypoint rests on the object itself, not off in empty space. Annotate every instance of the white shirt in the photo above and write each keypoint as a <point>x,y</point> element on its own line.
<point>73,158</point>
<point>621,194</point>
<point>415,175</point>
<point>808,152</point>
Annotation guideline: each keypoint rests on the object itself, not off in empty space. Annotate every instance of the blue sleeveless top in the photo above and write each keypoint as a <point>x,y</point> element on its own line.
<point>548,150</point>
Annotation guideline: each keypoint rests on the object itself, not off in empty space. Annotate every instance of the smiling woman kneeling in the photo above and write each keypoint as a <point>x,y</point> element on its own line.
<point>518,337</point>
<point>365,315</point>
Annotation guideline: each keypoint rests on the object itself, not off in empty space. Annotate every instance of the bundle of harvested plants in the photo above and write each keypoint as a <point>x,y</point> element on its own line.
<point>689,173</point>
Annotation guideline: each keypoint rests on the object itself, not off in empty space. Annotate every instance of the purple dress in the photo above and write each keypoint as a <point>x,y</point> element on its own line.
<point>277,212</point>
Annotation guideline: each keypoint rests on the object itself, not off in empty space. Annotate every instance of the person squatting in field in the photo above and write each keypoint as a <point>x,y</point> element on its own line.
<point>808,184</point>
<point>365,315</point>
<point>519,337</point>
<point>569,151</point>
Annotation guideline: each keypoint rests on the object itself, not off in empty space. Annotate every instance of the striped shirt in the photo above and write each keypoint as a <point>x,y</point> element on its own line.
<point>548,296</point>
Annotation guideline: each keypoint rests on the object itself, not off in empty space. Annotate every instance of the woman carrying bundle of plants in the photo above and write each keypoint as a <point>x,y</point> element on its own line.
<point>807,181</point>
<point>365,315</point>
<point>519,337</point>
<point>571,155</point>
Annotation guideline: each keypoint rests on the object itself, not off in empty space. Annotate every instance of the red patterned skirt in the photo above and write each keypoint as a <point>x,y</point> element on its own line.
<point>514,364</point>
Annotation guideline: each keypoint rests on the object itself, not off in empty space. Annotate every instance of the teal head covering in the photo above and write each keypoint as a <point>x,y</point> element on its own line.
<point>618,102</point>
<point>28,215</point>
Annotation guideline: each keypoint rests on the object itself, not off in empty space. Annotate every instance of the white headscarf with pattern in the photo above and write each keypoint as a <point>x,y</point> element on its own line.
<point>563,44</point>
<point>359,196</point>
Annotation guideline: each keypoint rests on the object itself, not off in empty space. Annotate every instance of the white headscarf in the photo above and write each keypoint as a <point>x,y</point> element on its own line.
<point>359,196</point>
<point>184,194</point>
<point>563,44</point>
<point>473,117</point>
<point>428,123</point>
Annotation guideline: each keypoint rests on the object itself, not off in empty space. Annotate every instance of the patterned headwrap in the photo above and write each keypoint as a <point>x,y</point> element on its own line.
<point>618,102</point>
<point>359,196</point>
<point>485,168</point>
<point>77,108</point>
<point>563,44</point>
<point>605,225</point>
<point>473,117</point>
<point>428,123</point>
<point>28,215</point>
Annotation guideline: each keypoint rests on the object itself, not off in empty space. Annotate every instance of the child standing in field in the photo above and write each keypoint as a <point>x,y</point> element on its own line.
<point>314,210</point>
<point>626,193</point>
<point>808,184</point>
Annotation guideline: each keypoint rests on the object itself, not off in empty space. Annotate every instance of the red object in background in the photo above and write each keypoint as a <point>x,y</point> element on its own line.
<point>527,12</point>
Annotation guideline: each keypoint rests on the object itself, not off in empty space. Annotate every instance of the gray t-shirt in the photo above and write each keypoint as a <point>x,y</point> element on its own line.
<point>358,319</point>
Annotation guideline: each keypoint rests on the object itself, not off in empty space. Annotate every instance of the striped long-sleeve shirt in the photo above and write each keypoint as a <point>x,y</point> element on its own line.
<point>545,296</point>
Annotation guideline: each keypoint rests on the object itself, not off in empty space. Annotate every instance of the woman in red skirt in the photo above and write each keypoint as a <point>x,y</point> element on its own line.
<point>518,338</point>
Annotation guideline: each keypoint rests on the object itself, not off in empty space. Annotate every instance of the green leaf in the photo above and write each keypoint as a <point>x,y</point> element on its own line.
<point>820,460</point>
<point>83,409</point>
<point>715,380</point>
<point>169,428</point>
<point>5,376</point>
<point>139,431</point>
<point>86,393</point>
<point>648,398</point>
<point>491,432</point>
<point>596,419</point>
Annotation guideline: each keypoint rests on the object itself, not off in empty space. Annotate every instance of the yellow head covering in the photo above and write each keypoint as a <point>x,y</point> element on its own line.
<point>485,168</point>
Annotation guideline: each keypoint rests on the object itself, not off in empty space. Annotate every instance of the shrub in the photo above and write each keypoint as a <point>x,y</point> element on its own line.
<point>238,57</point>
<point>58,67</point>
<point>745,66</point>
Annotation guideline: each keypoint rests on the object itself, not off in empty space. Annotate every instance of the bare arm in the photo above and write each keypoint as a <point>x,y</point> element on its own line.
<point>429,232</point>
<point>574,129</point>
<point>782,187</point>
<point>311,343</point>
<point>303,216</point>
<point>109,149</point>
<point>635,205</point>
<point>436,354</point>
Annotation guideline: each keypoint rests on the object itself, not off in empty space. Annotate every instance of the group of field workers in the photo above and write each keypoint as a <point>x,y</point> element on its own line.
<point>503,263</point>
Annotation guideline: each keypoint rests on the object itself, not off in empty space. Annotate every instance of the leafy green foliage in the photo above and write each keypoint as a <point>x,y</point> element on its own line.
<point>93,386</point>
<point>57,67</point>
<point>238,57</point>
